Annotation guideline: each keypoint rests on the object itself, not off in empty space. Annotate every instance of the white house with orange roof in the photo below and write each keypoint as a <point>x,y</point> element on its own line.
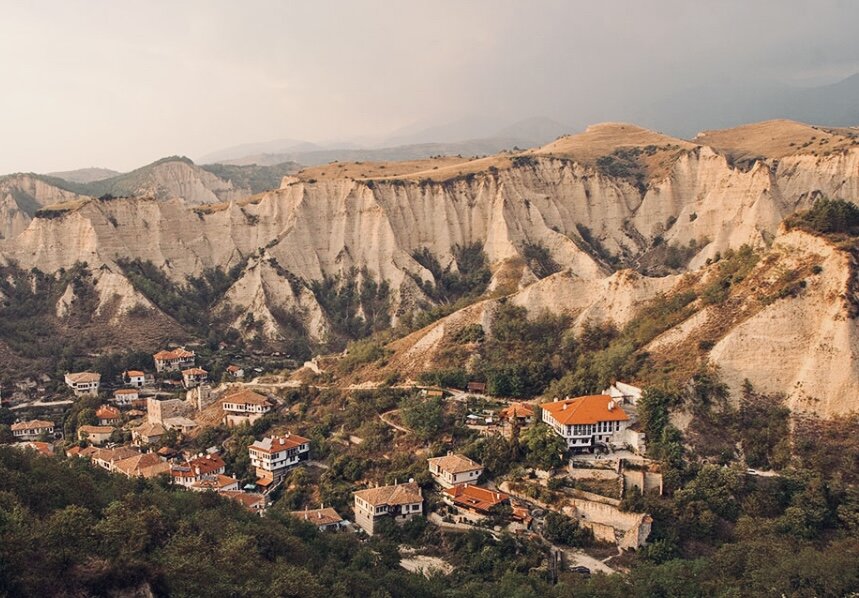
<point>324,519</point>
<point>135,378</point>
<point>108,415</point>
<point>273,456</point>
<point>586,421</point>
<point>452,470</point>
<point>83,383</point>
<point>174,360</point>
<point>400,502</point>
<point>194,377</point>
<point>244,406</point>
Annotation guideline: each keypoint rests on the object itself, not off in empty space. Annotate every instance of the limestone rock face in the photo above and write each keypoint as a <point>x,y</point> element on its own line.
<point>20,196</point>
<point>806,347</point>
<point>584,199</point>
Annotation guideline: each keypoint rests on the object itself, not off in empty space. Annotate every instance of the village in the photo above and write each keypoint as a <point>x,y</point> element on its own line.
<point>153,425</point>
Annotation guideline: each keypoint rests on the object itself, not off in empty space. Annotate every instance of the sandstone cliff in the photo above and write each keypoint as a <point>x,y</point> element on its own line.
<point>616,196</point>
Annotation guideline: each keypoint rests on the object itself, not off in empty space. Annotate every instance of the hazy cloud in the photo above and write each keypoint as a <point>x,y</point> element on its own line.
<point>115,84</point>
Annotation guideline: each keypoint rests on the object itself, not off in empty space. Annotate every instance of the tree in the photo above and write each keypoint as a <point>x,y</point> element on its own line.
<point>425,418</point>
<point>561,529</point>
<point>545,449</point>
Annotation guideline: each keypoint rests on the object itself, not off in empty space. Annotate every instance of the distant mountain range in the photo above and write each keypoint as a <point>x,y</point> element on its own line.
<point>461,138</point>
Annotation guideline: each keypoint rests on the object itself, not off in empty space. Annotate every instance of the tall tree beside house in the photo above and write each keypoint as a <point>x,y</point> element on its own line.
<point>544,448</point>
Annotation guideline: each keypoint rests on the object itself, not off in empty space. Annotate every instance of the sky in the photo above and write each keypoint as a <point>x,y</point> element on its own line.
<point>120,84</point>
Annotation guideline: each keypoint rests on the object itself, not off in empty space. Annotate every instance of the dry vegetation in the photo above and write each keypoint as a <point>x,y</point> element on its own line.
<point>776,139</point>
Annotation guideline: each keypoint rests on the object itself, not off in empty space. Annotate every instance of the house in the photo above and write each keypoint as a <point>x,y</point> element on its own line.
<point>194,377</point>
<point>623,393</point>
<point>325,518</point>
<point>432,393</point>
<point>198,468</point>
<point>216,483</point>
<point>108,416</point>
<point>474,502</point>
<point>244,406</point>
<point>148,433</point>
<point>584,422</point>
<point>476,387</point>
<point>134,378</point>
<point>235,372</point>
<point>95,434</point>
<point>452,470</point>
<point>125,396</point>
<point>519,412</point>
<point>83,383</point>
<point>400,502</point>
<point>252,501</point>
<point>180,423</point>
<point>33,429</point>
<point>78,451</point>
<point>43,448</point>
<point>145,465</point>
<point>105,458</point>
<point>173,361</point>
<point>273,456</point>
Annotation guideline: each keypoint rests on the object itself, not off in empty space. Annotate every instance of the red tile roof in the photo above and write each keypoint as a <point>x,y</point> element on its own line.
<point>194,372</point>
<point>107,412</point>
<point>455,464</point>
<point>319,517</point>
<point>590,409</point>
<point>179,353</point>
<point>401,494</point>
<point>475,497</point>
<point>517,410</point>
<point>245,397</point>
<point>275,444</point>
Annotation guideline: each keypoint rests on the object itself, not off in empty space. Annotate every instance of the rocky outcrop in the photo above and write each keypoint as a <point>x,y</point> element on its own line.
<point>575,198</point>
<point>20,196</point>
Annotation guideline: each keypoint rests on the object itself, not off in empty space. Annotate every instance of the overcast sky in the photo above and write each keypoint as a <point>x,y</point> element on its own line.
<point>120,84</point>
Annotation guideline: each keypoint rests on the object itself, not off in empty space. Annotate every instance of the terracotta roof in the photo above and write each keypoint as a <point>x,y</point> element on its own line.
<point>194,372</point>
<point>455,463</point>
<point>179,353</point>
<point>326,516</point>
<point>107,412</point>
<point>208,464</point>
<point>45,448</point>
<point>115,454</point>
<point>248,499</point>
<point>475,497</point>
<point>246,397</point>
<point>96,429</point>
<point>401,494</point>
<point>275,444</point>
<point>133,373</point>
<point>136,413</point>
<point>233,368</point>
<point>126,391</point>
<point>77,451</point>
<point>146,465</point>
<point>33,424</point>
<point>517,410</point>
<point>149,429</point>
<point>585,410</point>
<point>76,377</point>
